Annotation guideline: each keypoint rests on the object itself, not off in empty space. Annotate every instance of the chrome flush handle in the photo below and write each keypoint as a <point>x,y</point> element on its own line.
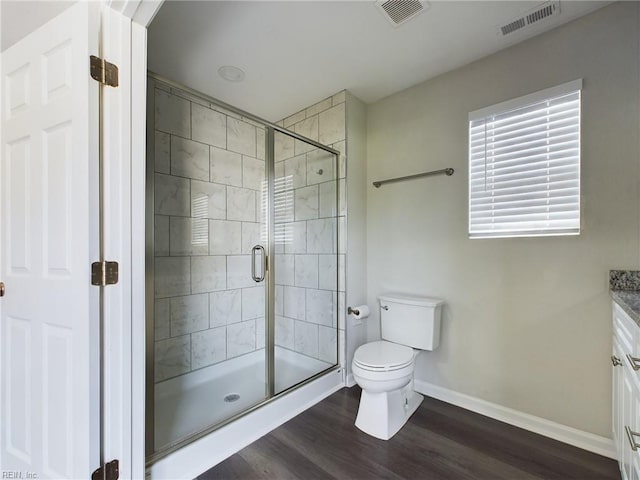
<point>384,307</point>
<point>616,361</point>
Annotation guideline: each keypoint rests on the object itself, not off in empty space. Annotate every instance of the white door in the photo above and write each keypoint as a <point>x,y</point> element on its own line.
<point>49,317</point>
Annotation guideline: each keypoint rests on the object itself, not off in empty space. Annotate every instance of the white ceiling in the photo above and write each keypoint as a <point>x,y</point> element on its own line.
<point>297,53</point>
<point>21,17</point>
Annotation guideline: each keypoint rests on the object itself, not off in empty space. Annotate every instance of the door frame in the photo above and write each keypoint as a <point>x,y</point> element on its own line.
<point>124,42</point>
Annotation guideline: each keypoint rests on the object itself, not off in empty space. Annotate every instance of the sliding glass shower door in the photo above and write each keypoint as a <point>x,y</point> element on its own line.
<point>241,263</point>
<point>209,187</point>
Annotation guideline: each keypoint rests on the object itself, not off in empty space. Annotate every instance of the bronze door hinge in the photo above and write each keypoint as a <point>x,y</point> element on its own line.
<point>108,471</point>
<point>103,71</point>
<point>104,273</point>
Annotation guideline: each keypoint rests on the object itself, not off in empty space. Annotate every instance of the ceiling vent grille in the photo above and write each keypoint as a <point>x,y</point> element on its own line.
<point>546,10</point>
<point>400,11</point>
<point>513,26</point>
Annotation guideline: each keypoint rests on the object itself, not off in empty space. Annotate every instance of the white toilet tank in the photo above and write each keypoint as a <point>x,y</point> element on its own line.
<point>411,320</point>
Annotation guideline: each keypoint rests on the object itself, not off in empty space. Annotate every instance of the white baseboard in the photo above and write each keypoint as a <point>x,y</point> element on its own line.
<point>350,380</point>
<point>578,438</point>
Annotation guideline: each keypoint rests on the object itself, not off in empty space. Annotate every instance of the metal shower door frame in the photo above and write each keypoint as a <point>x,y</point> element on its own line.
<point>270,286</point>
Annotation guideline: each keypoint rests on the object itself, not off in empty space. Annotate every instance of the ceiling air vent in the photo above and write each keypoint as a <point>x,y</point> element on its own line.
<point>546,10</point>
<point>513,26</point>
<point>399,11</point>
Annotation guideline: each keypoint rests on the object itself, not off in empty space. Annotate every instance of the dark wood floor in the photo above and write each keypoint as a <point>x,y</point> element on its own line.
<point>440,441</point>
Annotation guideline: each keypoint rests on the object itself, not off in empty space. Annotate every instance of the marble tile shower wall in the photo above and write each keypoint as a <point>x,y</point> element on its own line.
<point>310,278</point>
<point>209,169</point>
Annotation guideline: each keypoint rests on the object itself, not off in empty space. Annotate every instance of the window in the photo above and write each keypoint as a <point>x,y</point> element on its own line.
<point>524,165</point>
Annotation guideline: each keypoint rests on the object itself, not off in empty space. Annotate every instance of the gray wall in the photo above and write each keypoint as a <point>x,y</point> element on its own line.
<point>527,320</point>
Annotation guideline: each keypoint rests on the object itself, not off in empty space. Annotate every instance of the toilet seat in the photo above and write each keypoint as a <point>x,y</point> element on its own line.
<point>383,356</point>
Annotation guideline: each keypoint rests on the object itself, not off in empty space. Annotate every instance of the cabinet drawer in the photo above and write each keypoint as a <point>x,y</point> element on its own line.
<point>625,331</point>
<point>630,457</point>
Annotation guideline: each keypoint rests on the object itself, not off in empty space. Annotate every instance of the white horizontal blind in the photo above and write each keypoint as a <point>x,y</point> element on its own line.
<point>524,166</point>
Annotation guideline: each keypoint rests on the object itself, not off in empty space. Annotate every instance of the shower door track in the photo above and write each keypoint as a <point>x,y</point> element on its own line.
<point>270,129</point>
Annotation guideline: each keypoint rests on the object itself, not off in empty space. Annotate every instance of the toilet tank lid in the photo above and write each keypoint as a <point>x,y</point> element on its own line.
<point>410,299</point>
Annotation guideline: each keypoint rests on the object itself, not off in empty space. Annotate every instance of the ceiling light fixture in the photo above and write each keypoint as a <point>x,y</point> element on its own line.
<point>231,73</point>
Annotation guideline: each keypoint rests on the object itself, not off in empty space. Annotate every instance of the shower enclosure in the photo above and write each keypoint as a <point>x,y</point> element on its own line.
<point>242,263</point>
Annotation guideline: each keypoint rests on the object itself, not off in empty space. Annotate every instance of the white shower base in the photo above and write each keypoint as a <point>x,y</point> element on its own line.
<point>189,403</point>
<point>198,456</point>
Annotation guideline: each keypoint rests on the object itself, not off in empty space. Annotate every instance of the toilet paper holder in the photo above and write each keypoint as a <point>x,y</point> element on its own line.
<point>355,311</point>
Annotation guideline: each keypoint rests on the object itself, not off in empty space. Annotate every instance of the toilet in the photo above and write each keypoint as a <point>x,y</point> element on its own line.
<point>384,369</point>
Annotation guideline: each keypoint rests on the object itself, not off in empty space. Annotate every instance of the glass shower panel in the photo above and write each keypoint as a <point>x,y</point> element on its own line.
<point>306,266</point>
<point>209,198</point>
<point>227,327</point>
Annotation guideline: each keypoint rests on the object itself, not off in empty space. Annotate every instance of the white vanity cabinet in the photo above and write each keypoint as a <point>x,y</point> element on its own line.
<point>626,392</point>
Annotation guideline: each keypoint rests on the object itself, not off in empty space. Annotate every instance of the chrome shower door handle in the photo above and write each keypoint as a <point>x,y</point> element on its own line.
<point>255,277</point>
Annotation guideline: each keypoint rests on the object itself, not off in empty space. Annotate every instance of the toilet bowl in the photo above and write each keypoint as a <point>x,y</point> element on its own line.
<point>384,369</point>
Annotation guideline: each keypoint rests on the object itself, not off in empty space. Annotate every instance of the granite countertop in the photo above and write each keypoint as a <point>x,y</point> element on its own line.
<point>624,287</point>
